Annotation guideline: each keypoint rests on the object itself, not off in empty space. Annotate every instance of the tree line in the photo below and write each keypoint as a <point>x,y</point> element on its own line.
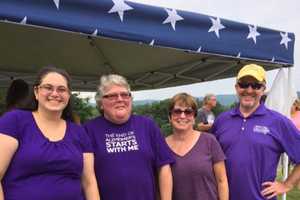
<point>156,110</point>
<point>159,112</point>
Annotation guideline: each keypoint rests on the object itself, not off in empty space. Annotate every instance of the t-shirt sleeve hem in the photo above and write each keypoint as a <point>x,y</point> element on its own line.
<point>10,135</point>
<point>88,151</point>
<point>219,160</point>
<point>166,162</point>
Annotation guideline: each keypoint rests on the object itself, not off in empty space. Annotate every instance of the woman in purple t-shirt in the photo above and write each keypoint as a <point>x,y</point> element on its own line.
<point>132,159</point>
<point>44,156</point>
<point>199,170</point>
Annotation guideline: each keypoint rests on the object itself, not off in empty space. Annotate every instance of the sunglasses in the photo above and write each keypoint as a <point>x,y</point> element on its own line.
<point>115,96</point>
<point>187,112</point>
<point>254,86</point>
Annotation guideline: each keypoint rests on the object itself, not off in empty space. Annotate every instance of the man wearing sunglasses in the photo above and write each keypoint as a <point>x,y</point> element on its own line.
<point>253,137</point>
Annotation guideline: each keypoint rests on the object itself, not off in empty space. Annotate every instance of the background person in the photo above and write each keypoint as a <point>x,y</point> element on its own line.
<point>43,154</point>
<point>253,137</point>
<point>130,152</point>
<point>16,95</point>
<point>295,113</point>
<point>206,117</point>
<point>199,171</point>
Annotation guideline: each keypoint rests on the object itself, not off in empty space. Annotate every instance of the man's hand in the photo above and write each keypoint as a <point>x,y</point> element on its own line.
<point>272,189</point>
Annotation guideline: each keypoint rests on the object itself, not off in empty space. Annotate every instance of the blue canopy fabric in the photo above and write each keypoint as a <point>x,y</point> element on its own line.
<point>157,47</point>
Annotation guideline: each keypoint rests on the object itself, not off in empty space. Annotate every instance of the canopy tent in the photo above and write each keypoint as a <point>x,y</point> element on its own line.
<point>152,47</point>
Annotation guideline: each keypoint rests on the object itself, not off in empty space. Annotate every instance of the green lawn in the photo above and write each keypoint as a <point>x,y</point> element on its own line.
<point>292,195</point>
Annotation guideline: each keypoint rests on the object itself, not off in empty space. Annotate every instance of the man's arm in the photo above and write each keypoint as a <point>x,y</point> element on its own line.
<point>165,182</point>
<point>272,189</point>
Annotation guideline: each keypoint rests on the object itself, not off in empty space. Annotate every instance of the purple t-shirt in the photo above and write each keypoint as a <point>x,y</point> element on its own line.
<point>193,174</point>
<point>127,157</point>
<point>253,146</point>
<point>41,169</point>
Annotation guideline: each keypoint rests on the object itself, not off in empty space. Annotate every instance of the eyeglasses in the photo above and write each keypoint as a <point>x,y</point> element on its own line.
<point>254,86</point>
<point>115,96</point>
<point>48,88</point>
<point>187,112</point>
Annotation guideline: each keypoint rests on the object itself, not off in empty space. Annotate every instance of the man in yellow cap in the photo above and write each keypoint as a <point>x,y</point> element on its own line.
<point>253,137</point>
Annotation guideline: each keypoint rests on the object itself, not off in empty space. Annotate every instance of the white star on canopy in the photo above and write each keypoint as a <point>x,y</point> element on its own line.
<point>152,42</point>
<point>172,18</point>
<point>120,6</point>
<point>253,33</point>
<point>273,59</point>
<point>216,26</point>
<point>56,3</point>
<point>285,39</point>
<point>24,20</point>
<point>95,33</point>
<point>199,49</point>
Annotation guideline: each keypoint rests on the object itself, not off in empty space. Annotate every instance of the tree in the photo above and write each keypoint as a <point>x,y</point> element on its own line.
<point>82,108</point>
<point>158,111</point>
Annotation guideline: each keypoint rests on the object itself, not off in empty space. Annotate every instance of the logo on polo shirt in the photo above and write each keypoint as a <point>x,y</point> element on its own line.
<point>261,129</point>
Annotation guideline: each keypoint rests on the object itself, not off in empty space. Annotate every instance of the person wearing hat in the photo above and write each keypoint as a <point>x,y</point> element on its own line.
<point>253,137</point>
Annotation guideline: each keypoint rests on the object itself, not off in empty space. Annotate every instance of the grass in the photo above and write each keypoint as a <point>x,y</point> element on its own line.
<point>293,194</point>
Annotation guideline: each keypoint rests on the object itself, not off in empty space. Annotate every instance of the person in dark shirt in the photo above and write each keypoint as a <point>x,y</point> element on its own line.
<point>17,94</point>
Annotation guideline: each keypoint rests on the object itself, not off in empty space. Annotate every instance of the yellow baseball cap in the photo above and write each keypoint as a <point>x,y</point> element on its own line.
<point>254,70</point>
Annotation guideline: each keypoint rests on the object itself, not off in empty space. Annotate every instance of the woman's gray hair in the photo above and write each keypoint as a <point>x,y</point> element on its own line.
<point>207,98</point>
<point>106,81</point>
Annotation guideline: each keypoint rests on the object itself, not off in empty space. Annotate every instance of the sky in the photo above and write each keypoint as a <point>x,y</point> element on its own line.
<point>274,14</point>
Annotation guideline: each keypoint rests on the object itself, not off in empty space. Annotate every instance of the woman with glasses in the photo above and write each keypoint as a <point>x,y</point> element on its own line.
<point>44,156</point>
<point>199,171</point>
<point>132,160</point>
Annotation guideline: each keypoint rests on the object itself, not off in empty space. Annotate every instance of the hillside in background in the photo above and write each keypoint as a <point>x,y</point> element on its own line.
<point>224,99</point>
<point>143,102</point>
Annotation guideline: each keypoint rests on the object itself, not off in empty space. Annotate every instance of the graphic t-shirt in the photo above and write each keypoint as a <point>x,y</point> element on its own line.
<point>127,157</point>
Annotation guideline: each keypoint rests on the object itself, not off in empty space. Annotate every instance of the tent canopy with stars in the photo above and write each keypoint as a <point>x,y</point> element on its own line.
<point>152,47</point>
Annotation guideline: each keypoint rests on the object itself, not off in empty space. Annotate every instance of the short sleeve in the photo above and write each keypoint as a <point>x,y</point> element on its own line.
<point>215,126</point>
<point>290,140</point>
<point>163,154</point>
<point>9,124</point>
<point>216,150</point>
<point>85,141</point>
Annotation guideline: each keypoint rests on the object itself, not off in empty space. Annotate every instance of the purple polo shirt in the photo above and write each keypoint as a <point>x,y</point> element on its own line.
<point>42,169</point>
<point>127,157</point>
<point>253,146</point>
